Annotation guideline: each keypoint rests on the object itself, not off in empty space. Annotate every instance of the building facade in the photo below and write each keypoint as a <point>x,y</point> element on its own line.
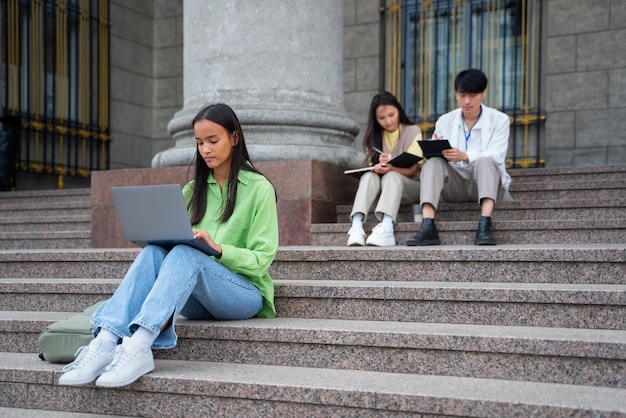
<point>579,71</point>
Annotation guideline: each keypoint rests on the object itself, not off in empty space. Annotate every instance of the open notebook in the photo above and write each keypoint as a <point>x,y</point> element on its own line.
<point>157,215</point>
<point>433,147</point>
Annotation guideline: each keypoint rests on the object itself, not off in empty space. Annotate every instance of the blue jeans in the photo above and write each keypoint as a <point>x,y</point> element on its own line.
<point>161,285</point>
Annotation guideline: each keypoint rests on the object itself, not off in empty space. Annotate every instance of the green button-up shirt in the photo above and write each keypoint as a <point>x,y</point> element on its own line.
<point>249,239</point>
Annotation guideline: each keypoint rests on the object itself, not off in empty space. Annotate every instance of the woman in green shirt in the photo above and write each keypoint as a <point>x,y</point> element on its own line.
<point>232,208</point>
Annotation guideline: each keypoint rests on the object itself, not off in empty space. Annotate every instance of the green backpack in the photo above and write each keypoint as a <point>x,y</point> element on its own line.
<point>60,341</point>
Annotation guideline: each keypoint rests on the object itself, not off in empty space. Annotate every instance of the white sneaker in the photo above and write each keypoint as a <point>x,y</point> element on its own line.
<point>356,236</point>
<point>89,364</point>
<point>129,364</point>
<point>381,237</point>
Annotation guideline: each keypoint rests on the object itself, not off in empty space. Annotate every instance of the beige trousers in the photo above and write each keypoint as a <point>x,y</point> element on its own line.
<point>392,189</point>
<point>453,183</point>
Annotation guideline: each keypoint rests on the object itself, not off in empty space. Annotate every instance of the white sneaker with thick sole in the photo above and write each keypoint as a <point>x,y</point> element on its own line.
<point>356,236</point>
<point>129,364</point>
<point>90,363</point>
<point>381,237</point>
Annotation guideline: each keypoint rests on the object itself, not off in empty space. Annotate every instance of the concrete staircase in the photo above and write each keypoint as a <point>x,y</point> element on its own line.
<point>535,326</point>
<point>45,219</point>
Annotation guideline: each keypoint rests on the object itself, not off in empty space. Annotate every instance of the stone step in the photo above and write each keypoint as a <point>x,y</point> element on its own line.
<point>506,304</point>
<point>540,263</point>
<point>45,196</point>
<point>597,306</point>
<point>550,210</point>
<point>607,173</point>
<point>57,294</point>
<point>178,388</point>
<point>45,203</point>
<point>505,232</point>
<point>66,238</point>
<point>567,190</point>
<point>60,209</point>
<point>571,190</point>
<point>46,413</point>
<point>45,219</point>
<point>48,223</point>
<point>555,355</point>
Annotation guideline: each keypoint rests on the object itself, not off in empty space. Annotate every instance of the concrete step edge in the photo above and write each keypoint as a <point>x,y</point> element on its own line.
<point>400,392</point>
<point>517,292</point>
<point>497,225</point>
<point>587,252</point>
<point>7,412</point>
<point>46,219</point>
<point>546,341</point>
<point>46,235</point>
<point>552,204</point>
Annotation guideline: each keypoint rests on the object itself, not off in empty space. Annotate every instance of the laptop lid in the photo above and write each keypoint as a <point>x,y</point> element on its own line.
<point>155,214</point>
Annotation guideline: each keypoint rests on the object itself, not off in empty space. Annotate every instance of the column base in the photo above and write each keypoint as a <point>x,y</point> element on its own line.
<point>308,192</point>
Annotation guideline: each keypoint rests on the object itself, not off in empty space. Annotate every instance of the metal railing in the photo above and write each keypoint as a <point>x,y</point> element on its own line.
<point>55,70</point>
<point>427,42</point>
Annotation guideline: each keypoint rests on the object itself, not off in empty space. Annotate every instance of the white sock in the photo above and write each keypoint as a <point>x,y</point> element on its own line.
<point>357,220</point>
<point>143,337</point>
<point>387,222</point>
<point>108,340</point>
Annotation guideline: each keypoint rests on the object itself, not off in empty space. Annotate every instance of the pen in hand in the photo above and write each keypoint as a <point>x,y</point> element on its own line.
<point>381,153</point>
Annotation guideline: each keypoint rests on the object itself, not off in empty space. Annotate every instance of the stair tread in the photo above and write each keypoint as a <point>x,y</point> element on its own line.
<point>498,225</point>
<point>521,204</point>
<point>46,234</point>
<point>38,219</point>
<point>615,252</point>
<point>349,388</point>
<point>587,293</point>
<point>6,412</point>
<point>475,291</point>
<point>577,342</point>
<point>618,289</point>
<point>608,252</point>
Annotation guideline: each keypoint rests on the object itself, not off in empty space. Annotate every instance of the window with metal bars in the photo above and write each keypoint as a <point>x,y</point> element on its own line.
<point>427,42</point>
<point>54,87</point>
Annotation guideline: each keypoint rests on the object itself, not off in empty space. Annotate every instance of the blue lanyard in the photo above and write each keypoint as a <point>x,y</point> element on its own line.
<point>469,133</point>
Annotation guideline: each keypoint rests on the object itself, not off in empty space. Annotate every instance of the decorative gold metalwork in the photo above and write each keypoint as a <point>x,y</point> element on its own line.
<point>61,87</point>
<point>425,83</point>
<point>13,56</point>
<point>62,136</point>
<point>492,49</point>
<point>103,85</point>
<point>394,48</point>
<point>36,78</point>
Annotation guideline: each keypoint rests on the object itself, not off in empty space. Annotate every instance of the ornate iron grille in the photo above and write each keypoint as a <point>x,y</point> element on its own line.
<point>55,85</point>
<point>427,42</point>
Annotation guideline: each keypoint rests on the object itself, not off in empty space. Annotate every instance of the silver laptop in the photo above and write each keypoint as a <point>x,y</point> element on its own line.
<point>156,215</point>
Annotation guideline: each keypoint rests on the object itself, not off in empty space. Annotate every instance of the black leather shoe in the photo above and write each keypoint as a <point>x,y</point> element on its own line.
<point>483,233</point>
<point>427,235</point>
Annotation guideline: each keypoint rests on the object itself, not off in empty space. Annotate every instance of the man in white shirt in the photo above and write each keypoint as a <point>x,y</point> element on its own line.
<point>473,169</point>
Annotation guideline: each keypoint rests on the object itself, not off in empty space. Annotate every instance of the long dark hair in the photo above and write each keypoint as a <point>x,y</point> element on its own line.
<point>224,116</point>
<point>373,136</point>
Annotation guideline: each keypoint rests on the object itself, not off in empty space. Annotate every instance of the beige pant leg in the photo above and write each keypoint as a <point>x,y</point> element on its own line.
<point>477,181</point>
<point>367,192</point>
<point>396,189</point>
<point>487,179</point>
<point>432,179</point>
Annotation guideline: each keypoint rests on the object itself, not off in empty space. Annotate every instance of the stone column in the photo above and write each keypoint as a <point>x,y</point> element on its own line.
<point>279,65</point>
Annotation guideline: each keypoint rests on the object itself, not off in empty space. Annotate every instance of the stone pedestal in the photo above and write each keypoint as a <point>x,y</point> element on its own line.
<point>279,65</point>
<point>308,192</point>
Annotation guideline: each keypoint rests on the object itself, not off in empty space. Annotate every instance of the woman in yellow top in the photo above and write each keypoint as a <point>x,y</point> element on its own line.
<point>389,133</point>
<point>232,208</point>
